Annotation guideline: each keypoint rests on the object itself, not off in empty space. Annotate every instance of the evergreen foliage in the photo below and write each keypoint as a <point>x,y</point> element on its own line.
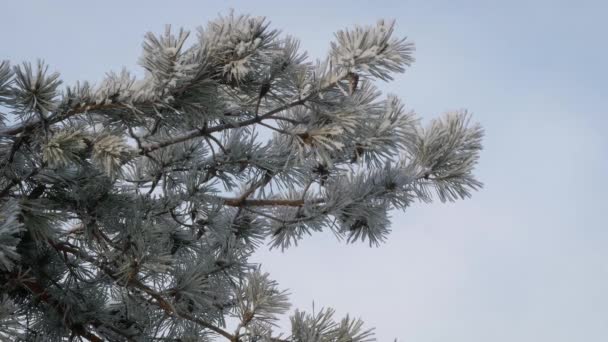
<point>129,209</point>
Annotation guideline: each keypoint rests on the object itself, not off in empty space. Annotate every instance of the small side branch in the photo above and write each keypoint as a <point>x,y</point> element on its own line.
<point>237,202</point>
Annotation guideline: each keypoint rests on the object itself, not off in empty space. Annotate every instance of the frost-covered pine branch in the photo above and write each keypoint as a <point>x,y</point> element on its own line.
<point>129,209</point>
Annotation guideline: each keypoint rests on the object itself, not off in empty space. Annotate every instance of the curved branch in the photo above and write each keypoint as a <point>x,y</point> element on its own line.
<point>218,128</point>
<point>31,124</point>
<point>160,301</point>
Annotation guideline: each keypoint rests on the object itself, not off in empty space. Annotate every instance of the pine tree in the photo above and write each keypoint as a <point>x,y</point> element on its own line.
<point>129,208</point>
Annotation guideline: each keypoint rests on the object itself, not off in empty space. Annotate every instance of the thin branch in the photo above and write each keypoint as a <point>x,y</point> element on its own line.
<point>31,124</point>
<point>275,128</point>
<point>16,181</point>
<point>156,125</point>
<point>178,221</point>
<point>282,118</point>
<point>219,143</point>
<point>238,202</point>
<point>257,119</point>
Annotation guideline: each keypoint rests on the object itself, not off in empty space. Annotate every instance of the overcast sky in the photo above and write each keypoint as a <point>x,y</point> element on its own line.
<point>526,258</point>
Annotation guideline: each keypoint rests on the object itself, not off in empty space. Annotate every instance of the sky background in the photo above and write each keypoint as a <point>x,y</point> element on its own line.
<point>526,258</point>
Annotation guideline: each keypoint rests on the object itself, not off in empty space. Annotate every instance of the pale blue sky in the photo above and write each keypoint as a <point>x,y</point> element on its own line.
<point>526,259</point>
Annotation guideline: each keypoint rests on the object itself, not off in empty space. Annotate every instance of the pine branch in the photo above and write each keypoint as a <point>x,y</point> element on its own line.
<point>125,191</point>
<point>32,124</point>
<point>238,202</point>
<point>40,292</point>
<point>160,301</point>
<point>222,127</point>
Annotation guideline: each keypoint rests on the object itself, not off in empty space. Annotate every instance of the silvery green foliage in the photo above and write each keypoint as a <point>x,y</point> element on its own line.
<point>129,209</point>
<point>33,91</point>
<point>321,327</point>
<point>10,227</point>
<point>9,328</point>
<point>372,50</point>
